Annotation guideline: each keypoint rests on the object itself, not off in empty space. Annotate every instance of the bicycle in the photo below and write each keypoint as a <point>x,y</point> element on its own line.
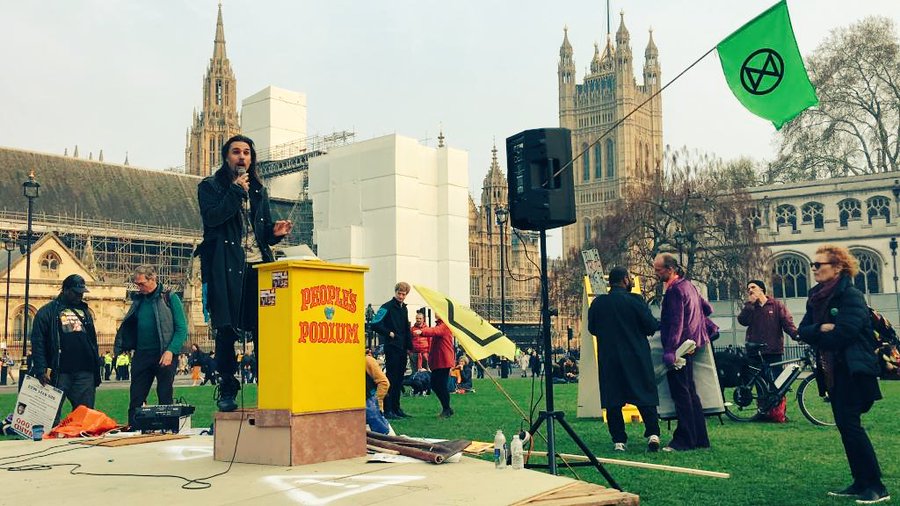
<point>758,390</point>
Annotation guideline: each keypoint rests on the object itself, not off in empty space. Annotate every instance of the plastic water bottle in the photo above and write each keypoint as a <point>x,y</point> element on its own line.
<point>518,454</point>
<point>500,450</point>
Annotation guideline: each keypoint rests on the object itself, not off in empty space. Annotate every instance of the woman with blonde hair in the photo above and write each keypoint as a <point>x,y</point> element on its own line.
<point>838,327</point>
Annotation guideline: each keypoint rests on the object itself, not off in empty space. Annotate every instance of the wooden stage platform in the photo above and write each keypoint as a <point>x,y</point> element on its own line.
<point>345,482</point>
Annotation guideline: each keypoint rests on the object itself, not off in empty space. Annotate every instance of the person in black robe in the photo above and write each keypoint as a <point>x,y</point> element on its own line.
<point>621,320</point>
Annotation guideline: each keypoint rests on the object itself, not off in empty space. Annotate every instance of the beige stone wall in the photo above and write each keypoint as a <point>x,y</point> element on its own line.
<point>858,234</point>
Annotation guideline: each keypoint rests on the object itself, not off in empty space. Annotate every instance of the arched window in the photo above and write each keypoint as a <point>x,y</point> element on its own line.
<point>586,163</point>
<point>19,320</point>
<point>813,212</point>
<point>647,158</point>
<point>720,287</point>
<point>598,167</point>
<point>50,265</point>
<point>755,218</point>
<point>790,276</point>
<point>849,209</point>
<point>638,151</point>
<point>879,206</point>
<point>587,230</point>
<point>868,279</point>
<point>786,216</point>
<point>610,159</point>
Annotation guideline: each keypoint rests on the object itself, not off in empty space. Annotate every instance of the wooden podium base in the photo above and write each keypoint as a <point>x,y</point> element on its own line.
<point>282,438</point>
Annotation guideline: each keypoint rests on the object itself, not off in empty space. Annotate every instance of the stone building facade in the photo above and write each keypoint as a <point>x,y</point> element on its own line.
<point>629,154</point>
<point>521,257</point>
<point>218,120</point>
<point>860,213</point>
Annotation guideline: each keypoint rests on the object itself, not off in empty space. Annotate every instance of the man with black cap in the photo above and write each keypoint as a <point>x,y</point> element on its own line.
<point>64,344</point>
<point>767,320</point>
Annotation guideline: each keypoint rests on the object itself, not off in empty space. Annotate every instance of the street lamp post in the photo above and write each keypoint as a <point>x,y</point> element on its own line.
<point>502,215</point>
<point>893,246</point>
<point>31,190</point>
<point>9,244</point>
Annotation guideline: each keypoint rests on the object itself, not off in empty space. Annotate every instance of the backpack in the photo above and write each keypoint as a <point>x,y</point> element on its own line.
<point>731,365</point>
<point>886,346</point>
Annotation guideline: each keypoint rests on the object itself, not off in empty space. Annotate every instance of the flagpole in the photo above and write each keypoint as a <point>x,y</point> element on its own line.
<point>617,123</point>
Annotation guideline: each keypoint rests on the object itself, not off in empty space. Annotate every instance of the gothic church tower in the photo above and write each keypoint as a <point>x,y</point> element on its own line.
<point>218,120</point>
<point>628,156</point>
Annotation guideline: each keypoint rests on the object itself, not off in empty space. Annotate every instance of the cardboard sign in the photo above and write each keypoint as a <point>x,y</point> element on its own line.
<point>593,267</point>
<point>35,405</point>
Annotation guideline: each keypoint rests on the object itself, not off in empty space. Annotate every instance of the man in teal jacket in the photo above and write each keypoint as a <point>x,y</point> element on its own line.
<point>155,329</point>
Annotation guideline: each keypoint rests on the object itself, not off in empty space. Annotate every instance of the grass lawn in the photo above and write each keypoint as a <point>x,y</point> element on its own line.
<point>771,464</point>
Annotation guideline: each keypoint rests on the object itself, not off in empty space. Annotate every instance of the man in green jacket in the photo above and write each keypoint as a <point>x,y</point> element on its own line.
<point>155,329</point>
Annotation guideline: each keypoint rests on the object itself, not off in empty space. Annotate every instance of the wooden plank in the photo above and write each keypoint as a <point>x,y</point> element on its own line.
<point>642,465</point>
<point>133,440</point>
<point>581,494</point>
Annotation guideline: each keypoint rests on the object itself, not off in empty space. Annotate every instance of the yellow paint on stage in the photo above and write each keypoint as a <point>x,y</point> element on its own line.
<point>311,336</point>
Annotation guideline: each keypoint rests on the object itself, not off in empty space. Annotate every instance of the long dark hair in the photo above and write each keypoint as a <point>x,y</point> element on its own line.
<point>223,172</point>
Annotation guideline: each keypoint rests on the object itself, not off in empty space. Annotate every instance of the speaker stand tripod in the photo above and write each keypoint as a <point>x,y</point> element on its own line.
<point>551,415</point>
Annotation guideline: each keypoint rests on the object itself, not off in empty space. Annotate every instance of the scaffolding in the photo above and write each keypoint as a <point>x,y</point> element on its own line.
<point>112,249</point>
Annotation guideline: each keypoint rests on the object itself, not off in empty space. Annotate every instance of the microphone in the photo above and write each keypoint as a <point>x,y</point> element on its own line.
<point>240,172</point>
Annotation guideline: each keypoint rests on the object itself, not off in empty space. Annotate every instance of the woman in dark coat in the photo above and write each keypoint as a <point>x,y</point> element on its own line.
<point>230,199</point>
<point>622,321</point>
<point>838,327</point>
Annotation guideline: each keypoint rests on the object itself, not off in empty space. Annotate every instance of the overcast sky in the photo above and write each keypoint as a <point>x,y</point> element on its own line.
<point>125,75</point>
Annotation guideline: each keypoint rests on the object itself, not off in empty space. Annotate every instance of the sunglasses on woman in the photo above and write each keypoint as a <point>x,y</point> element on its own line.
<point>818,265</point>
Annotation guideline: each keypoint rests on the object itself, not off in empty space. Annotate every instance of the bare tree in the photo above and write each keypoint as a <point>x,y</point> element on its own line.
<point>697,210</point>
<point>856,127</point>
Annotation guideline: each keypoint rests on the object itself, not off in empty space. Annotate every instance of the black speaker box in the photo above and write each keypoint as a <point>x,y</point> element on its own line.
<point>540,180</point>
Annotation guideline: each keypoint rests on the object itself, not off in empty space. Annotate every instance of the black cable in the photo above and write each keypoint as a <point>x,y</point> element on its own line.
<point>35,454</point>
<point>527,256</point>
<point>78,445</point>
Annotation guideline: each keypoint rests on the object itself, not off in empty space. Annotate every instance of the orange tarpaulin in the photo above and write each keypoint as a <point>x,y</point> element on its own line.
<point>84,421</point>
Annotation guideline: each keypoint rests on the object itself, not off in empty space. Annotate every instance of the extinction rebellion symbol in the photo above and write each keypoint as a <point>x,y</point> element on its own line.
<point>762,71</point>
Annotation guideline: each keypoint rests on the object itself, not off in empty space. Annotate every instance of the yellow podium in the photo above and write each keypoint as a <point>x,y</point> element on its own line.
<point>311,401</point>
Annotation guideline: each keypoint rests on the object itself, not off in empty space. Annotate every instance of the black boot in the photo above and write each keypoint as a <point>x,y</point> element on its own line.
<point>228,389</point>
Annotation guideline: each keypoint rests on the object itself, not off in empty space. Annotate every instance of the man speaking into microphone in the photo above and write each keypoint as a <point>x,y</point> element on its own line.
<point>238,233</point>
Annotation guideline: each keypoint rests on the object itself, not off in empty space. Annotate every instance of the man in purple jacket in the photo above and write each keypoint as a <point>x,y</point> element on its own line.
<point>683,316</point>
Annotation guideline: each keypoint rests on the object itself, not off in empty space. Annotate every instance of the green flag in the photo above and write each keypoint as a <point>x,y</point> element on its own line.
<point>763,67</point>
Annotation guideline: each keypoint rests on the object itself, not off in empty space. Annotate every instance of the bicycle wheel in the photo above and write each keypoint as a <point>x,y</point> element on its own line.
<point>742,402</point>
<point>815,408</point>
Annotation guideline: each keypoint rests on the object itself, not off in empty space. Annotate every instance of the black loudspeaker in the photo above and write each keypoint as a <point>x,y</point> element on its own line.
<point>540,180</point>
